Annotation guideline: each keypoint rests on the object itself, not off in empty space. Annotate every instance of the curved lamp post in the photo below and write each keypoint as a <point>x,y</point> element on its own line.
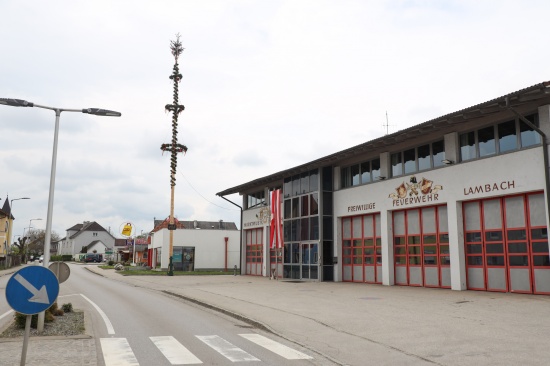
<point>97,112</point>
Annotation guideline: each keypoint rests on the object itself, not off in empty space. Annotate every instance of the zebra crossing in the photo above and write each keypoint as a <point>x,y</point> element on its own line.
<point>118,352</point>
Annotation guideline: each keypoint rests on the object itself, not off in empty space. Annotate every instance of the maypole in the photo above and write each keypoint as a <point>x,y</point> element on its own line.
<point>175,108</point>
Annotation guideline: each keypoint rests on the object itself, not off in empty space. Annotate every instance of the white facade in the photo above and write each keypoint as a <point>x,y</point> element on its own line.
<point>211,250</point>
<point>83,235</point>
<point>475,222</point>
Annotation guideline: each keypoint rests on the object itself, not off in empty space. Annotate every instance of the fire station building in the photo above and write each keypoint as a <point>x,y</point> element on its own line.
<point>458,202</point>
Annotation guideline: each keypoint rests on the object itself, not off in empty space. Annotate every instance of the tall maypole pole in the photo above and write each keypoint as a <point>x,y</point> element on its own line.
<point>175,108</point>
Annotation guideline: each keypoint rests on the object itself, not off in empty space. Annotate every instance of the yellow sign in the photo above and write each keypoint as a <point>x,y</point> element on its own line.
<point>127,229</point>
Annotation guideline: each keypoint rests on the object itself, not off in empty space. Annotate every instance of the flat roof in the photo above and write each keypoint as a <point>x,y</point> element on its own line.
<point>538,94</point>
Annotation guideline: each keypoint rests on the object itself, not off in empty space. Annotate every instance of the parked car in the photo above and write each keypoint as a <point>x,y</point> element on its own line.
<point>41,259</point>
<point>93,257</point>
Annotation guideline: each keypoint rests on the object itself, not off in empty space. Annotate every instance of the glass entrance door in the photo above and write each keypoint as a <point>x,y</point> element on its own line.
<point>310,261</point>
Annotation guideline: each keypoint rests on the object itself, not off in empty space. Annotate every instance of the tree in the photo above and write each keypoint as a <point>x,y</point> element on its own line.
<point>36,239</point>
<point>21,247</point>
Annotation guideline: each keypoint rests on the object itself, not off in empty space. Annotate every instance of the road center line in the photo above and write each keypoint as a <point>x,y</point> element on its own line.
<point>6,313</point>
<point>110,329</point>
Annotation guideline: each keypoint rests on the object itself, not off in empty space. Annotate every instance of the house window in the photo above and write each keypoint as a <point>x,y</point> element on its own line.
<point>361,173</point>
<point>256,199</point>
<point>498,139</point>
<point>94,234</point>
<point>417,159</point>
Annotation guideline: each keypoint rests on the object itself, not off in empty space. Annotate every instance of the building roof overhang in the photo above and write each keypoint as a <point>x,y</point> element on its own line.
<point>533,96</point>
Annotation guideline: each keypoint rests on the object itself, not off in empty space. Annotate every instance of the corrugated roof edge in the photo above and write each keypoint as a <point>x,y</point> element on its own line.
<point>340,154</point>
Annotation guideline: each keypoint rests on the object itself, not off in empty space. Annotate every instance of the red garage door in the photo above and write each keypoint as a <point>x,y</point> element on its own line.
<point>506,241</point>
<point>421,247</point>
<point>362,249</point>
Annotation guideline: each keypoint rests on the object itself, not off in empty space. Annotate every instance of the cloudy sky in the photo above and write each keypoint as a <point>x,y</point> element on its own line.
<point>267,85</point>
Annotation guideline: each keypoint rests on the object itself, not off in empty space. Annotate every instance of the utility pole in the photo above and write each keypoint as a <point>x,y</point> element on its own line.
<point>175,108</point>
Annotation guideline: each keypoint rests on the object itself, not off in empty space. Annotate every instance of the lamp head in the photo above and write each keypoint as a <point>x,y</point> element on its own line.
<point>16,102</point>
<point>101,112</point>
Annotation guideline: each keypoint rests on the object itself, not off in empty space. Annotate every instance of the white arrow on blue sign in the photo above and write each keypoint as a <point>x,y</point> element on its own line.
<point>32,290</point>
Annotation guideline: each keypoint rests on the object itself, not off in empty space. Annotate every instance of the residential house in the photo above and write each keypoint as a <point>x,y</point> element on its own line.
<point>87,234</point>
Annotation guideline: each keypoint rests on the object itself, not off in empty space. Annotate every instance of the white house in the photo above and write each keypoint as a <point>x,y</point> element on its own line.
<point>84,235</point>
<point>197,245</point>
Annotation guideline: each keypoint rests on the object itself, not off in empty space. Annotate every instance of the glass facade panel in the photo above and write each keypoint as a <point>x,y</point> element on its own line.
<point>486,141</point>
<point>314,202</point>
<point>528,136</point>
<point>313,181</point>
<point>365,173</point>
<point>375,169</point>
<point>409,160</point>
<point>438,153</point>
<point>295,207</point>
<point>305,205</point>
<point>355,177</point>
<point>396,166</point>
<point>424,157</point>
<point>467,146</point>
<point>507,136</point>
<point>304,183</point>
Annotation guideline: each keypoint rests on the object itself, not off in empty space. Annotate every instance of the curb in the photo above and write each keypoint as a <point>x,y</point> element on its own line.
<point>249,321</point>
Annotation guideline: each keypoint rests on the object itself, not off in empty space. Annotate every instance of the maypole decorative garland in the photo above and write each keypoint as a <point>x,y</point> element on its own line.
<point>175,108</point>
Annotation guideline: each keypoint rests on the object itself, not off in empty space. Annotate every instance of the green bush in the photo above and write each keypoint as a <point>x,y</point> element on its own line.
<point>111,263</point>
<point>68,308</point>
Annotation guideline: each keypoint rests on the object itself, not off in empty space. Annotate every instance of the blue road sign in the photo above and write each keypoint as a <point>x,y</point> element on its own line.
<point>32,290</point>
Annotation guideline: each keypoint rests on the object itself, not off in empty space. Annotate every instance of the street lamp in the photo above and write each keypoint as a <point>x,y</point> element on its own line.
<point>95,111</point>
<point>30,224</point>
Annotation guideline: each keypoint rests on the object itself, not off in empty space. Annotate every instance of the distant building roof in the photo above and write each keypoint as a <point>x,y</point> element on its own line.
<point>192,225</point>
<point>86,226</point>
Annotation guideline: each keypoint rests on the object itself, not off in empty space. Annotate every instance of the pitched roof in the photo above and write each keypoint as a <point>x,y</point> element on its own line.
<point>87,226</point>
<point>533,96</point>
<point>6,208</point>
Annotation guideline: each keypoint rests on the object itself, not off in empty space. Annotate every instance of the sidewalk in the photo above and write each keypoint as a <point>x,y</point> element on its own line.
<point>362,324</point>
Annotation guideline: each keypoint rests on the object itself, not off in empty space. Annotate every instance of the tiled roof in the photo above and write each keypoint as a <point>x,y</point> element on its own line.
<point>87,226</point>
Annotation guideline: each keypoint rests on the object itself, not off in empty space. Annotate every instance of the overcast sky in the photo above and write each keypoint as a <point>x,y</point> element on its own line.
<point>267,85</point>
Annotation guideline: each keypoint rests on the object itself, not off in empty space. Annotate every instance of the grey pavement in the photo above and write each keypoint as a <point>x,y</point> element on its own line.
<point>363,324</point>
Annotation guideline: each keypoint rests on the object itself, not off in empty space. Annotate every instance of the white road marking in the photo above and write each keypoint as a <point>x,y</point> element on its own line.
<point>117,352</point>
<point>174,351</point>
<point>226,349</point>
<point>276,347</point>
<point>6,313</point>
<point>110,329</point>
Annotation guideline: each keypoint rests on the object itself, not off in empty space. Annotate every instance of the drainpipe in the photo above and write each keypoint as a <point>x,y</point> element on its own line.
<point>241,240</point>
<point>226,239</point>
<point>544,151</point>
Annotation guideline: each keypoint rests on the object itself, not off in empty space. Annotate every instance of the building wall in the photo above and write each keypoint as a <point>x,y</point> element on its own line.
<point>209,246</point>
<point>74,246</point>
<point>512,173</point>
<point>4,245</point>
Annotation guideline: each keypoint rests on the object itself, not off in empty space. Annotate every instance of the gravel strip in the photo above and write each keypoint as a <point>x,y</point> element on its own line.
<point>69,324</point>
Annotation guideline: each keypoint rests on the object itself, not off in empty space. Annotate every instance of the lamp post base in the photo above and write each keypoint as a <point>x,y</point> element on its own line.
<point>170,268</point>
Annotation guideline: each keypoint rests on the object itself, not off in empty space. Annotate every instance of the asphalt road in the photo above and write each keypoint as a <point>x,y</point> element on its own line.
<point>140,322</point>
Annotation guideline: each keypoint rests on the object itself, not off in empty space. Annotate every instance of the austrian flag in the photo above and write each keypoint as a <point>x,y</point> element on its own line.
<point>276,221</point>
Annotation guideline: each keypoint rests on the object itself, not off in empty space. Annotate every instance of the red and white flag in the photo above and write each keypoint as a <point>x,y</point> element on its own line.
<point>276,221</point>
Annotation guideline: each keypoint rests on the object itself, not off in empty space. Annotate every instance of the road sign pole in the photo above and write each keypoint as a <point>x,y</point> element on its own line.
<point>26,340</point>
